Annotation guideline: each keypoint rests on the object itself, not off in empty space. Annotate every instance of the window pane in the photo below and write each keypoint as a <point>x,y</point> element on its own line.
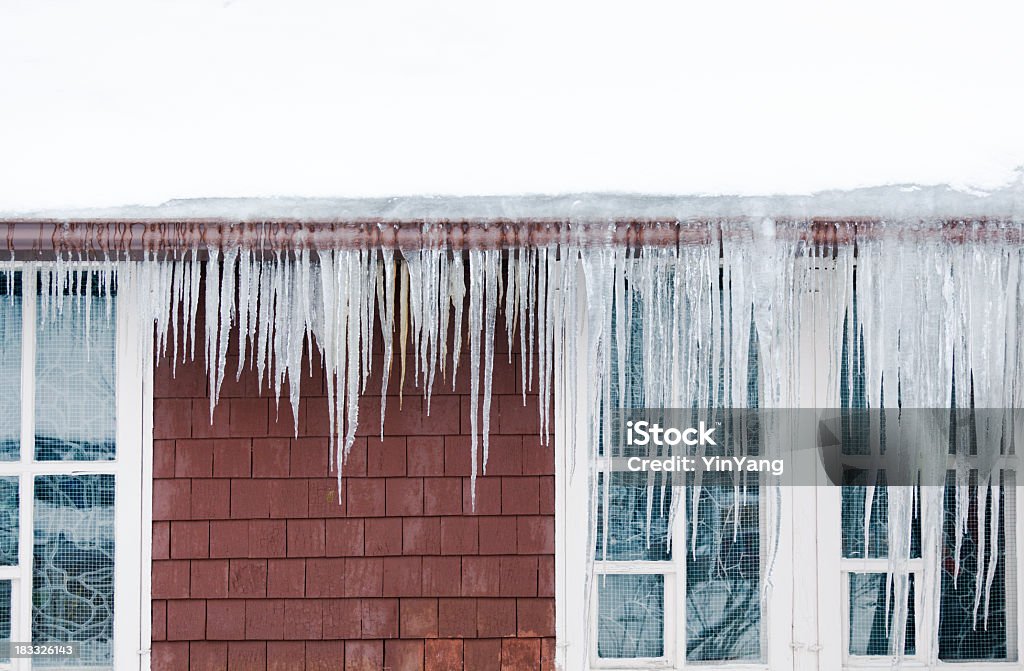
<point>10,366</point>
<point>5,614</point>
<point>75,398</point>
<point>723,605</point>
<point>638,527</point>
<point>631,616</point>
<point>854,509</point>
<point>9,507</point>
<point>870,620</point>
<point>968,631</point>
<point>73,566</point>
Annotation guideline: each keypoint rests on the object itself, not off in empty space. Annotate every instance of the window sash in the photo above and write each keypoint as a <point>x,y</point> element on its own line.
<point>810,545</point>
<point>131,467</point>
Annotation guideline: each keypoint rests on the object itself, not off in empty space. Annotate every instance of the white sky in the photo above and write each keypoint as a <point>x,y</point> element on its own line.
<point>110,102</point>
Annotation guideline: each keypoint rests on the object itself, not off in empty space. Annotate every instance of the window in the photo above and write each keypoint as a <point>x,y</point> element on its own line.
<point>973,610</point>
<point>74,539</point>
<point>694,601</point>
<point>702,601</point>
<point>972,581</point>
<point>659,604</point>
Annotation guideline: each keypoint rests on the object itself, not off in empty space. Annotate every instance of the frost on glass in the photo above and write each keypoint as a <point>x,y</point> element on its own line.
<point>637,528</point>
<point>972,611</point>
<point>10,365</point>
<point>9,506</point>
<point>73,566</point>
<point>75,375</point>
<point>871,612</point>
<point>631,616</point>
<point>723,573</point>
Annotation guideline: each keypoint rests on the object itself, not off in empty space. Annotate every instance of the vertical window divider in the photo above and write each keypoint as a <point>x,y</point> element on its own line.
<point>680,548</point>
<point>21,617</point>
<point>1014,533</point>
<point>133,482</point>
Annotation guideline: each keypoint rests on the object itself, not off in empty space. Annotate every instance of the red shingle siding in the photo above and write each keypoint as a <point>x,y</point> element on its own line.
<point>258,565</point>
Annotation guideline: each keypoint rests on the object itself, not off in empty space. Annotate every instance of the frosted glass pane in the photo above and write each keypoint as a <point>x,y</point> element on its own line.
<point>9,507</point>
<point>10,366</point>
<point>631,616</point>
<point>75,397</point>
<point>73,566</point>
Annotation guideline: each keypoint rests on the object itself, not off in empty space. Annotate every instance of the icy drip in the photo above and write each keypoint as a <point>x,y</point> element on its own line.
<point>936,323</point>
<point>940,325</point>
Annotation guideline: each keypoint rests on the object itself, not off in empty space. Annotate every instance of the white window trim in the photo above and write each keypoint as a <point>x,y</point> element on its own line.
<point>575,626</point>
<point>133,468</point>
<point>801,630</point>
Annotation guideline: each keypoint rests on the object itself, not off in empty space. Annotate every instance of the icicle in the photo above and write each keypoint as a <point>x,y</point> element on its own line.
<point>993,544</point>
<point>244,298</point>
<point>226,312</point>
<point>177,290</point>
<point>329,347</point>
<point>212,306</point>
<point>444,309</point>
<point>531,310</point>
<point>386,300</point>
<point>476,323</point>
<point>265,317</point>
<point>979,573</point>
<point>403,332</point>
<point>511,294</point>
<point>523,305</point>
<point>356,279</point>
<point>193,302</point>
<point>457,291</point>
<point>869,502</point>
<point>492,276</point>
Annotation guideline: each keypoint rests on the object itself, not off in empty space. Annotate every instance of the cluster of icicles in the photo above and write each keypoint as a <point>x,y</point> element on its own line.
<point>928,312</point>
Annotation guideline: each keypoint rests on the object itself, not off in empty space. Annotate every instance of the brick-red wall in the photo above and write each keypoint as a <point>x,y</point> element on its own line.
<point>257,566</point>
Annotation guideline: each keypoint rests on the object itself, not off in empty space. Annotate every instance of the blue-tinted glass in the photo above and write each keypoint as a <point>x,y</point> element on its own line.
<point>871,620</point>
<point>723,576</point>
<point>73,566</point>
<point>5,614</point>
<point>10,366</point>
<point>631,616</point>
<point>75,374</point>
<point>968,632</point>
<point>9,507</point>
<point>638,527</point>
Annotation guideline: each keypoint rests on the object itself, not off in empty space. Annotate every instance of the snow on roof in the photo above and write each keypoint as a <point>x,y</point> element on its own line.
<point>885,202</point>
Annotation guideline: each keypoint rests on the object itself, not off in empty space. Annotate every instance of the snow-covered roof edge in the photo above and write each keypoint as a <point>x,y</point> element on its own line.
<point>906,201</point>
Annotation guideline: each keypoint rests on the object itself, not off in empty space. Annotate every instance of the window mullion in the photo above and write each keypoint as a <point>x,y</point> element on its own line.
<point>28,359</point>
<point>21,618</point>
<point>679,548</point>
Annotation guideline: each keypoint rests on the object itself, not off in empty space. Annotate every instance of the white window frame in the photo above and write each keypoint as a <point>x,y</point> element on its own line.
<point>132,469</point>
<point>833,563</point>
<point>800,626</point>
<point>576,615</point>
